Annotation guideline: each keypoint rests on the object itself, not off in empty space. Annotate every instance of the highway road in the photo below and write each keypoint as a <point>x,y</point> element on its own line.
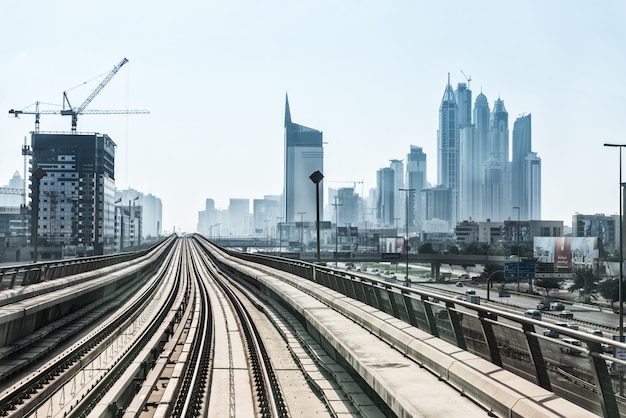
<point>606,320</point>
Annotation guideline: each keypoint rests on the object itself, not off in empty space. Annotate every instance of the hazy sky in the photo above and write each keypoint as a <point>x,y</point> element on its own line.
<point>369,74</point>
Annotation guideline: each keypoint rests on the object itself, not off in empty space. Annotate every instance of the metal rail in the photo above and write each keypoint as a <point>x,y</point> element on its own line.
<point>422,309</point>
<point>34,392</point>
<point>270,399</point>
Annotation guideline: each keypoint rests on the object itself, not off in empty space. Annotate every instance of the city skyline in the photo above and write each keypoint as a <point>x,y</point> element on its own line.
<point>368,75</point>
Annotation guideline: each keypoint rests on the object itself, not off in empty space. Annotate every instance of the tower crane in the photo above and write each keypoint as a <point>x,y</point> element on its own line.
<point>68,110</point>
<point>36,112</point>
<point>467,78</point>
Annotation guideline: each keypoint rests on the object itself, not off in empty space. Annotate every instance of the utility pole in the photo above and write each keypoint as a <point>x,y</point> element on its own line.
<point>406,240</point>
<point>518,249</point>
<point>620,288</point>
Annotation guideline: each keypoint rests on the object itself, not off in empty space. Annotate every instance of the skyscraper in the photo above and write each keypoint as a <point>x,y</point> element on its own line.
<point>239,220</point>
<point>493,190</point>
<point>482,115</point>
<point>522,146</point>
<point>471,175</point>
<point>151,210</point>
<point>385,192</point>
<point>499,132</point>
<point>398,183</point>
<point>436,205</point>
<point>532,177</point>
<point>76,197</point>
<point>415,179</point>
<point>304,154</point>
<point>496,170</point>
<point>464,104</point>
<point>448,150</point>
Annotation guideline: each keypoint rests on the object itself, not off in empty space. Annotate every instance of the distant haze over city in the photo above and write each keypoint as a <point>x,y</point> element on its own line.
<point>369,76</point>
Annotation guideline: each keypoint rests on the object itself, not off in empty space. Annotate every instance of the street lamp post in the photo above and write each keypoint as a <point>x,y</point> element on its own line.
<point>406,240</point>
<point>489,281</point>
<point>621,253</point>
<point>518,249</point>
<point>366,235</point>
<point>316,177</point>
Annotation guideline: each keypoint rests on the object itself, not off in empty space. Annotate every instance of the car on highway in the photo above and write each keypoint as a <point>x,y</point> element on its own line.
<point>550,333</point>
<point>533,313</point>
<point>603,346</point>
<point>572,342</point>
<point>596,332</point>
<point>557,306</point>
<point>566,314</point>
<point>491,315</point>
<point>570,325</point>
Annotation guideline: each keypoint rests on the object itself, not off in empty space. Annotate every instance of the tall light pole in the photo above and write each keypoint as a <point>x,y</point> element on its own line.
<point>518,249</point>
<point>406,240</point>
<point>316,177</point>
<point>621,251</point>
<point>301,228</point>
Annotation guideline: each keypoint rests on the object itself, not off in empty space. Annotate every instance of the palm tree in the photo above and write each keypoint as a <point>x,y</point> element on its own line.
<point>585,281</point>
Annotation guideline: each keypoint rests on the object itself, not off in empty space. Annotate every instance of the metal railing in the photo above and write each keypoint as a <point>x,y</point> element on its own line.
<point>507,339</point>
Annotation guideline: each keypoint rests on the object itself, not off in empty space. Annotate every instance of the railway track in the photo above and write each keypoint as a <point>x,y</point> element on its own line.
<point>73,379</point>
<point>191,330</point>
<point>215,364</point>
<point>184,342</point>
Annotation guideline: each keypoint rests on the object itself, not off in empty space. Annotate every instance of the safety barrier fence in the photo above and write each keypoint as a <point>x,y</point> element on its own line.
<point>509,340</point>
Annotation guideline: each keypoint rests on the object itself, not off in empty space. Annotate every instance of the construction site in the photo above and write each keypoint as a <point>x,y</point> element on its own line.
<point>67,200</point>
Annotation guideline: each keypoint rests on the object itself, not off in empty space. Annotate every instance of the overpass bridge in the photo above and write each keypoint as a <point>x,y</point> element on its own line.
<point>435,260</point>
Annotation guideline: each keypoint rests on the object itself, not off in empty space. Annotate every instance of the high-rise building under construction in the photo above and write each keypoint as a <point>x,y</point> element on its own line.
<point>76,195</point>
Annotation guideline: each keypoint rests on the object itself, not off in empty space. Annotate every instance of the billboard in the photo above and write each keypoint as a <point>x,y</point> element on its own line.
<point>351,231</point>
<point>391,245</point>
<point>566,252</point>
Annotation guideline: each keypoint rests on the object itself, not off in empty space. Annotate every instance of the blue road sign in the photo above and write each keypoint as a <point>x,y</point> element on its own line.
<point>526,270</point>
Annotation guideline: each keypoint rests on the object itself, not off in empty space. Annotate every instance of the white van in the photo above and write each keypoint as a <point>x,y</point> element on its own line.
<point>533,313</point>
<point>573,342</point>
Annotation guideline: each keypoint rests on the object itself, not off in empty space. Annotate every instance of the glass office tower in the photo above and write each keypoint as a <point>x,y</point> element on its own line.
<point>304,154</point>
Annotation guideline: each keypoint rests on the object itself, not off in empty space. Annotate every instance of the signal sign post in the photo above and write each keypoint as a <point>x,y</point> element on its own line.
<point>526,270</point>
<point>518,270</point>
